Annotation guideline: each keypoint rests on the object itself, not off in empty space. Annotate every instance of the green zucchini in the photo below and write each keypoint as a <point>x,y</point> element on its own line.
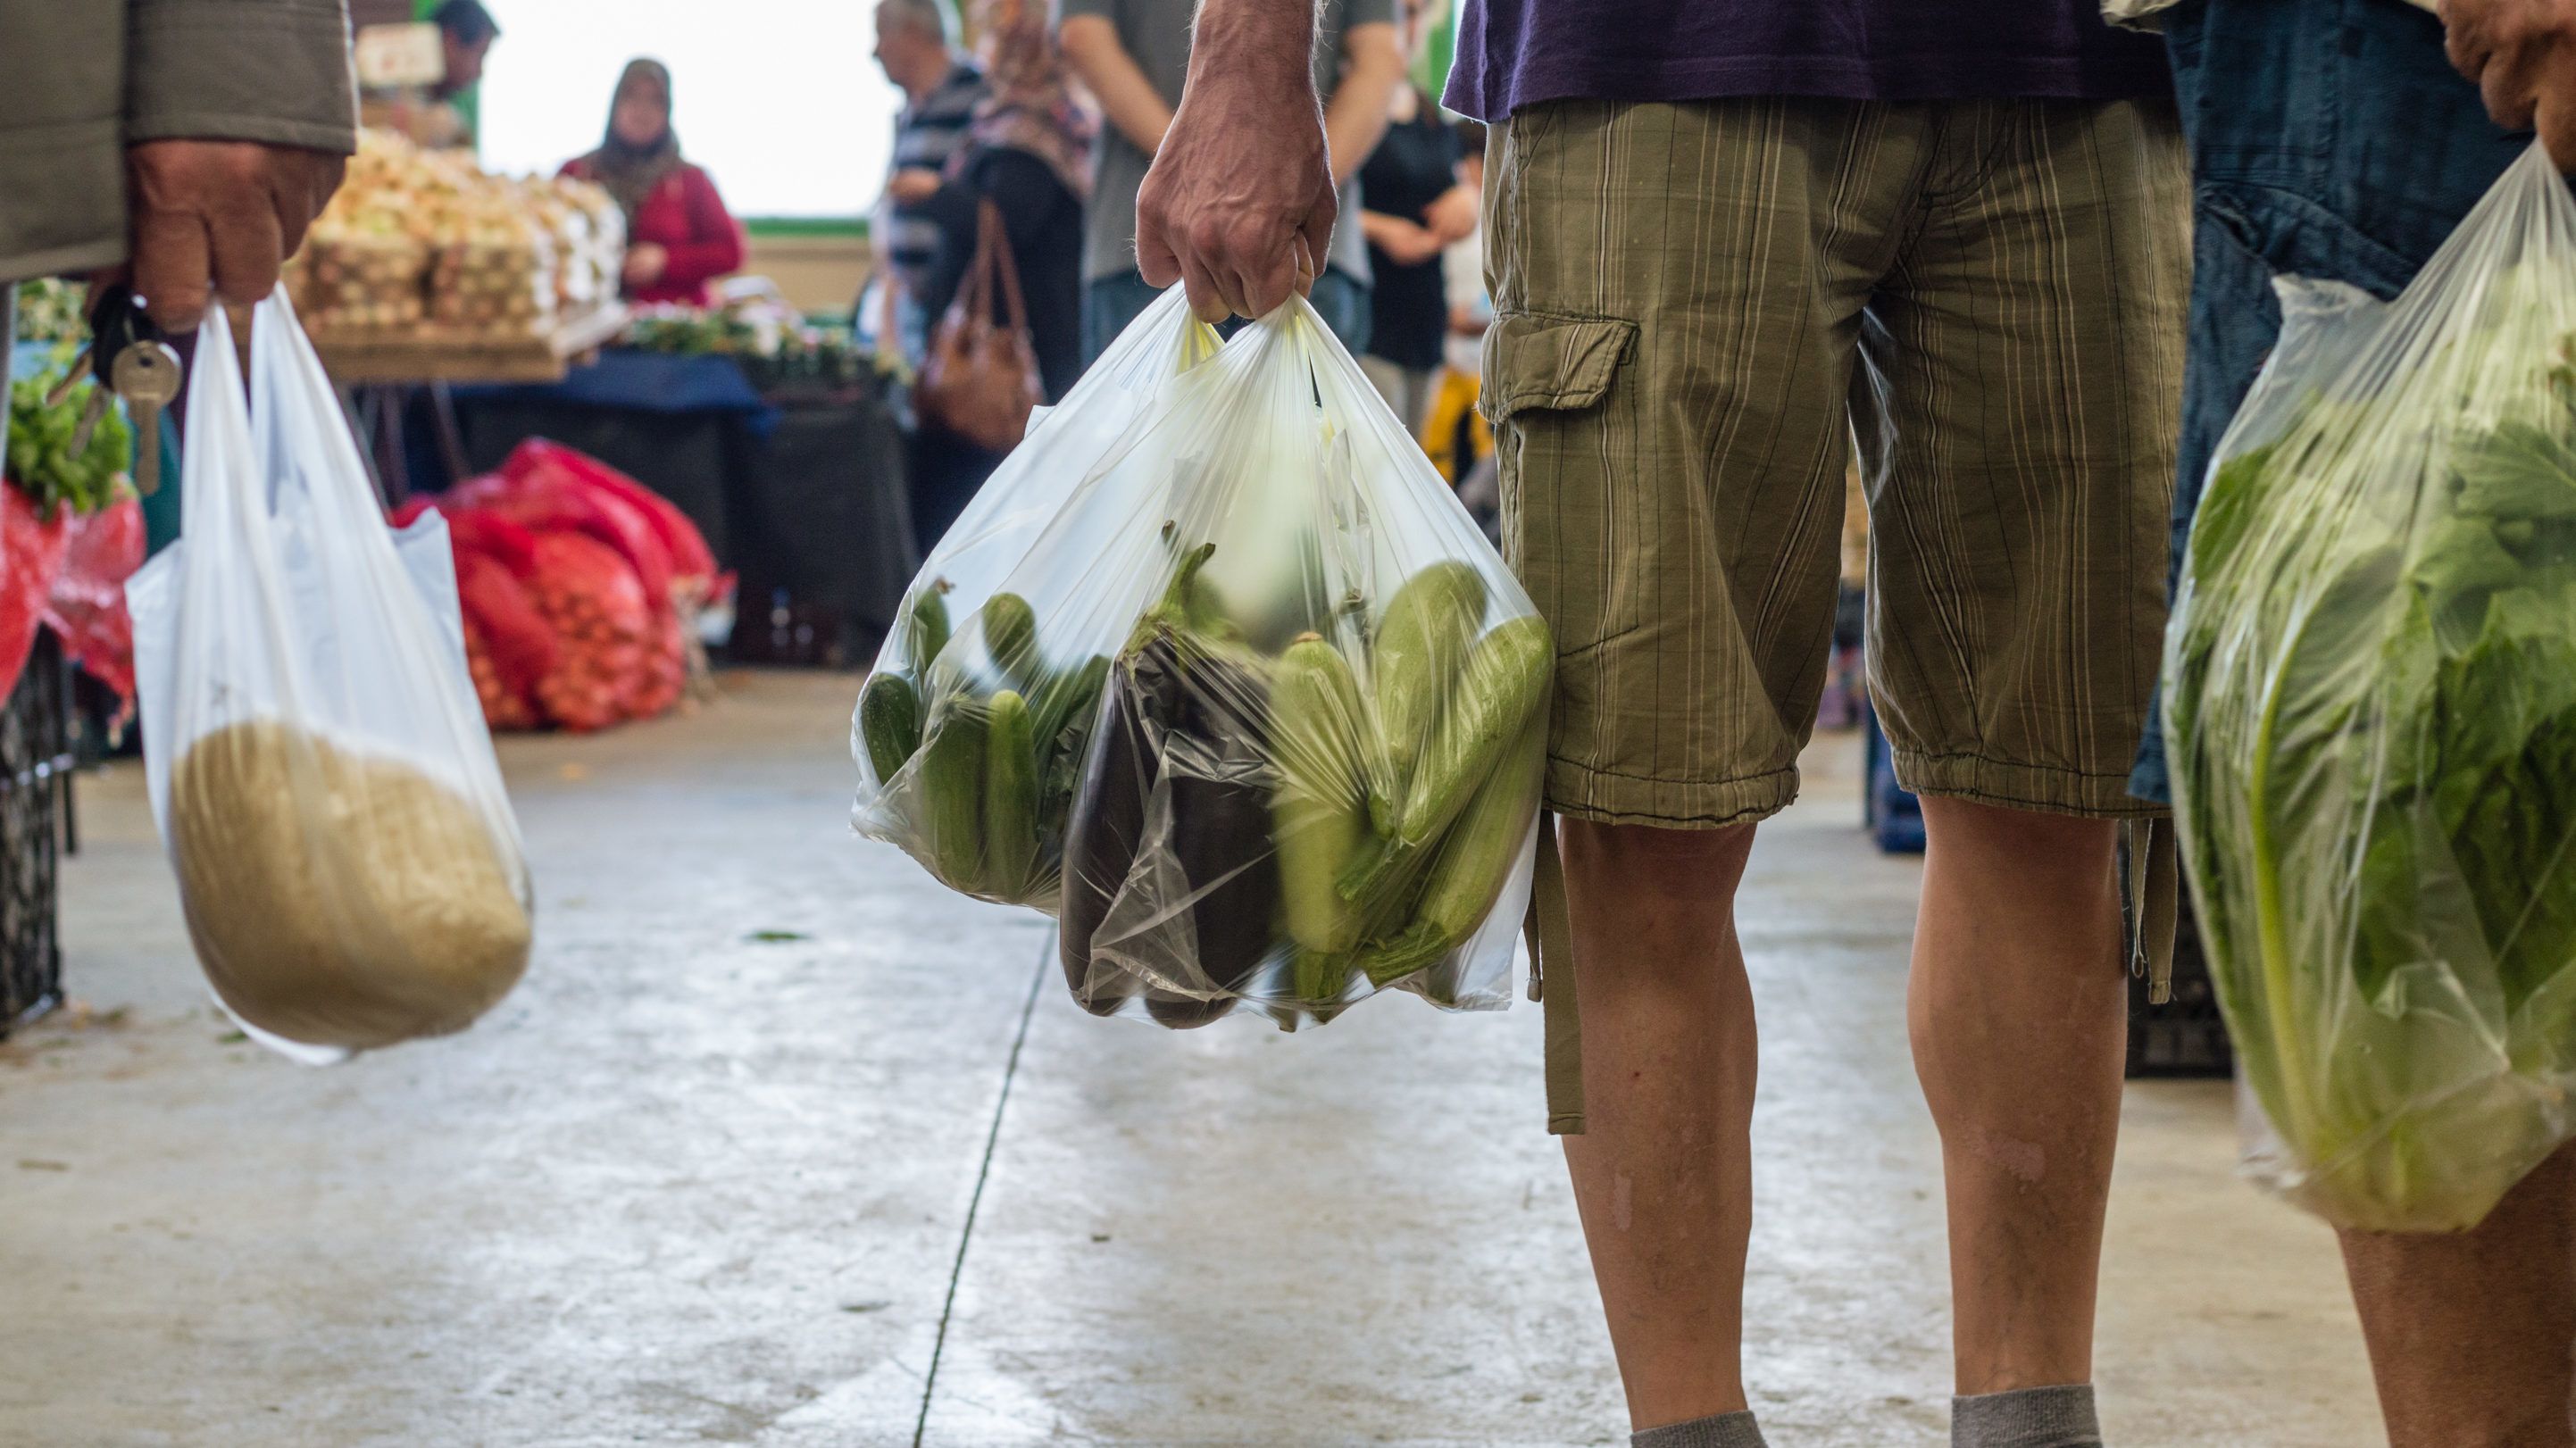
<point>952,786</point>
<point>1011,640</point>
<point>890,723</point>
<point>1414,661</point>
<point>1505,683</point>
<point>926,625</point>
<point>1474,862</point>
<point>1319,817</point>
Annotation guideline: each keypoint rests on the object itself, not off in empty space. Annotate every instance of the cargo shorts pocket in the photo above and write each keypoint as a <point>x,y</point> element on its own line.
<point>1570,474</point>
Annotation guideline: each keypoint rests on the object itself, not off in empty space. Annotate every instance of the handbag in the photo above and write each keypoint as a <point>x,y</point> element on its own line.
<point>981,379</point>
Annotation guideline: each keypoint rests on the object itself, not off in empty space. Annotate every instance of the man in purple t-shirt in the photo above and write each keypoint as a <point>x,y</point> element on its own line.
<point>1726,241</point>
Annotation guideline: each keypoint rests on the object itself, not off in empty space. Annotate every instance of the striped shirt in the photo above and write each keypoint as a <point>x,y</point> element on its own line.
<point>925,136</point>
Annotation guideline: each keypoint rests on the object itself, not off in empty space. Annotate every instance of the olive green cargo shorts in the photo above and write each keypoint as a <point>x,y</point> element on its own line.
<point>1704,307</point>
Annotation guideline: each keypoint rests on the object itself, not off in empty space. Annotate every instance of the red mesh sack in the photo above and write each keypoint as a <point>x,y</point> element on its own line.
<point>604,630</point>
<point>691,559</point>
<point>31,551</point>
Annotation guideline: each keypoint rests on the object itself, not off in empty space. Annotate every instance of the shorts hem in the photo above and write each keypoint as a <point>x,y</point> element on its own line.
<point>2022,786</point>
<point>1579,791</point>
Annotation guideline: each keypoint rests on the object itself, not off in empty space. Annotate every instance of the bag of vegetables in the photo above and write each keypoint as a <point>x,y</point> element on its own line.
<point>347,858</point>
<point>1258,708</point>
<point>971,564</point>
<point>2371,707</point>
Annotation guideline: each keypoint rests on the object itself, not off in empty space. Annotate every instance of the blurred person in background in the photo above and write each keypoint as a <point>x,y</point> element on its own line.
<point>679,236</point>
<point>189,142</point>
<point>1456,435</point>
<point>1027,150</point>
<point>1418,206</point>
<point>465,34</point>
<point>1134,56</point>
<point>941,90</point>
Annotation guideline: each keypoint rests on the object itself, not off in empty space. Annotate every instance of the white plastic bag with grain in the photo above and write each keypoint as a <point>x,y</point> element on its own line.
<point>349,865</point>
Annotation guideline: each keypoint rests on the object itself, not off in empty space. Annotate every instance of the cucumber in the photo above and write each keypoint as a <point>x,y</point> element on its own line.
<point>1420,644</point>
<point>952,786</point>
<point>1011,640</point>
<point>890,723</point>
<point>1319,816</point>
<point>926,624</point>
<point>1010,797</point>
<point>1318,980</point>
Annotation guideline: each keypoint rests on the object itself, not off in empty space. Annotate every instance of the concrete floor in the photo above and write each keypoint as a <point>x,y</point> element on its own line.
<point>708,1177</point>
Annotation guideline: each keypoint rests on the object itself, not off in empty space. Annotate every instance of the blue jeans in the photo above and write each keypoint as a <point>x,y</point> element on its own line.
<point>1109,303</point>
<point>2330,139</point>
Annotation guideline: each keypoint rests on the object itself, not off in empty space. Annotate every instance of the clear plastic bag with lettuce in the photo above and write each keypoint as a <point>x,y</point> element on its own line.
<point>2371,708</point>
<point>1259,714</point>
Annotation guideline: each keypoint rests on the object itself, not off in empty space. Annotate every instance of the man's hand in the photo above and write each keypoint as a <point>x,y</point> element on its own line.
<point>2522,55</point>
<point>645,263</point>
<point>1239,203</point>
<point>218,218</point>
<point>913,185</point>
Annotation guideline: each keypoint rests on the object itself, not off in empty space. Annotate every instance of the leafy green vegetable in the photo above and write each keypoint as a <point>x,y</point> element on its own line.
<point>41,459</point>
<point>2372,713</point>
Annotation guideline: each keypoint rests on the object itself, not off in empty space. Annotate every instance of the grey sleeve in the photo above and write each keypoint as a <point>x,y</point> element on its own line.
<point>277,71</point>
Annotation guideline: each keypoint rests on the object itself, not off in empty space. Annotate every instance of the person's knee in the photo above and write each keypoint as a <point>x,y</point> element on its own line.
<point>2032,844</point>
<point>1644,862</point>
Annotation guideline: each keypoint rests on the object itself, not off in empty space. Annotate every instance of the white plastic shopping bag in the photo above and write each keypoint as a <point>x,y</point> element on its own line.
<point>1257,711</point>
<point>2371,706</point>
<point>350,868</point>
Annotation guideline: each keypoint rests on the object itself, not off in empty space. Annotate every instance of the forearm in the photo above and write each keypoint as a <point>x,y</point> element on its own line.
<point>1381,228</point>
<point>273,71</point>
<point>1261,44</point>
<point>1127,99</point>
<point>1355,119</point>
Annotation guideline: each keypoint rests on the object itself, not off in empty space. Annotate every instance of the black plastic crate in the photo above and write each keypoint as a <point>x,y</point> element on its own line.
<point>37,760</point>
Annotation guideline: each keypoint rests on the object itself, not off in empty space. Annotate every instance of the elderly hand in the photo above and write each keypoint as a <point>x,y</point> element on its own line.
<point>218,219</point>
<point>2522,55</point>
<point>1239,203</point>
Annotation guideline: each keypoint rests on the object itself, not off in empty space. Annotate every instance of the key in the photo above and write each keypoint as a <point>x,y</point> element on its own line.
<point>146,375</point>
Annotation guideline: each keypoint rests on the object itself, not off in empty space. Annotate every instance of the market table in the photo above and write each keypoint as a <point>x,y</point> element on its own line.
<point>378,372</point>
<point>800,490</point>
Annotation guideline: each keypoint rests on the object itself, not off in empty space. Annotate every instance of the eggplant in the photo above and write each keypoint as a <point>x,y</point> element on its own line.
<point>1107,827</point>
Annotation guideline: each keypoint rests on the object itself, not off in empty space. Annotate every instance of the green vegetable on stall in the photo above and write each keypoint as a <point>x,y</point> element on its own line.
<point>40,457</point>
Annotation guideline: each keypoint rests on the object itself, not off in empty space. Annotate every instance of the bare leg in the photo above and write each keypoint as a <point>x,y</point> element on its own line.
<point>1663,1175</point>
<point>2470,1334</point>
<point>2018,1012</point>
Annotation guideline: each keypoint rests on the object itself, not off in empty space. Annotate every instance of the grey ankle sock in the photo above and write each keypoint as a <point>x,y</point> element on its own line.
<point>1726,1430</point>
<point>2027,1418</point>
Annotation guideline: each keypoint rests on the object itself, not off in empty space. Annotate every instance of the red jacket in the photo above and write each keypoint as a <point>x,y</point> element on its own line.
<point>686,218</point>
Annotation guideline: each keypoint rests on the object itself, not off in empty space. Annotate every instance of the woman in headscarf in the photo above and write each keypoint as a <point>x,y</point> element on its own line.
<point>679,235</point>
<point>1028,150</point>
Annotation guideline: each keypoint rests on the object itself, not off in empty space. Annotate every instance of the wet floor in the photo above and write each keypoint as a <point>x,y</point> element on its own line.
<point>782,1144</point>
